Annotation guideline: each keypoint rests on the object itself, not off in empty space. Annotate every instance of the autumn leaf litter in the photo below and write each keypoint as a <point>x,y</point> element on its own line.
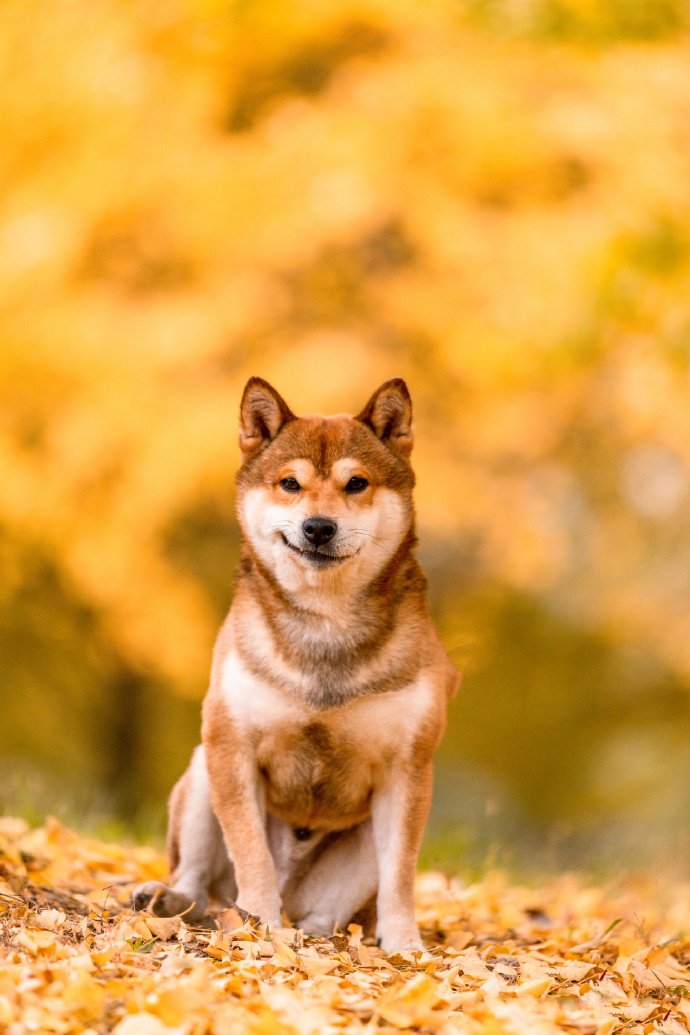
<point>502,959</point>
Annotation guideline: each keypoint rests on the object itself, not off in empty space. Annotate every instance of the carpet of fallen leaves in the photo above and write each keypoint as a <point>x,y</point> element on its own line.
<point>501,959</point>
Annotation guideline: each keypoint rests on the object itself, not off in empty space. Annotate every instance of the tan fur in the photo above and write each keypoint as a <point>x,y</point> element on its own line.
<point>329,684</point>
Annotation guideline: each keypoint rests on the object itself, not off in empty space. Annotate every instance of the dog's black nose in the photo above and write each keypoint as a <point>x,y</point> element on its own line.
<point>319,530</point>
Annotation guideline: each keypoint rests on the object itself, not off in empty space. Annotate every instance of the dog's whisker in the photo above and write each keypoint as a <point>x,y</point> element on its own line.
<point>368,535</point>
<point>285,527</point>
<point>375,540</point>
<point>348,544</point>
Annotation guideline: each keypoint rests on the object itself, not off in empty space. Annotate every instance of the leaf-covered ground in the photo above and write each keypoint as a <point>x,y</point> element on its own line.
<point>502,959</point>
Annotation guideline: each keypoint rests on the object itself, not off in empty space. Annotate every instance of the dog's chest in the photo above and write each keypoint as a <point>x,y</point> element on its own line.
<point>314,777</point>
<point>320,767</point>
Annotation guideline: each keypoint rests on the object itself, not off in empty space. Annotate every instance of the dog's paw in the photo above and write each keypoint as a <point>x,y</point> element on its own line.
<point>316,924</point>
<point>400,938</point>
<point>264,913</point>
<point>164,901</point>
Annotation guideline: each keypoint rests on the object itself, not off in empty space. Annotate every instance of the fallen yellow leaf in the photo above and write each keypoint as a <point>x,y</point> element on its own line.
<point>411,1003</point>
<point>535,987</point>
<point>164,927</point>
<point>316,966</point>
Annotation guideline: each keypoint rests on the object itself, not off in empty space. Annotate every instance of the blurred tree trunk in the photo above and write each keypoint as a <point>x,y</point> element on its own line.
<point>122,718</point>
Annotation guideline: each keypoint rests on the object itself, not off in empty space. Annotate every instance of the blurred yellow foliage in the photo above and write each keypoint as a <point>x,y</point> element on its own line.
<point>490,198</point>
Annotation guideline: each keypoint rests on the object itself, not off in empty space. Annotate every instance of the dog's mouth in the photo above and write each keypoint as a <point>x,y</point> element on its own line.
<point>315,556</point>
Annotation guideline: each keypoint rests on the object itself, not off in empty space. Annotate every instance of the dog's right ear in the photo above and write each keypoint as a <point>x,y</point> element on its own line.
<point>263,412</point>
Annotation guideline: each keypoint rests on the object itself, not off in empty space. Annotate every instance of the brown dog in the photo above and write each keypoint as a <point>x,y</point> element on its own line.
<point>329,684</point>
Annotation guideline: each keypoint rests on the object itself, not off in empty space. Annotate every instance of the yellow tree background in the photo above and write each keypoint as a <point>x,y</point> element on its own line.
<point>490,198</point>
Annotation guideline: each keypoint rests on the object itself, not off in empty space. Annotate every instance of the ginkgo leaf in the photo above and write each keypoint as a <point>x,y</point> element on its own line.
<point>316,966</point>
<point>163,927</point>
<point>138,975</point>
<point>409,1004</point>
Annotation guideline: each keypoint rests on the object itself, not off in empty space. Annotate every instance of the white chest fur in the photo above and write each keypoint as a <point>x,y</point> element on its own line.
<point>382,723</point>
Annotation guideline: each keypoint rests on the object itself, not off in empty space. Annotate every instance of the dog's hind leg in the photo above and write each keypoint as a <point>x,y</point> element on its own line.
<point>197,852</point>
<point>340,883</point>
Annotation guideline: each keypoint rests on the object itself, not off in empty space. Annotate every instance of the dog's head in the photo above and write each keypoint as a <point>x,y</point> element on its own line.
<point>325,500</point>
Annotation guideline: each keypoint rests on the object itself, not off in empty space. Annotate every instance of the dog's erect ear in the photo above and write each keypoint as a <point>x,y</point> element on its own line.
<point>389,415</point>
<point>262,414</point>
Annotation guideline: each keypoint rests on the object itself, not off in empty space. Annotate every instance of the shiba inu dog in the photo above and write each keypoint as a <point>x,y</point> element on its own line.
<point>329,685</point>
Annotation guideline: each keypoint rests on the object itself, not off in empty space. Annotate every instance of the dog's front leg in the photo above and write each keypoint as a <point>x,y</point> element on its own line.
<point>238,802</point>
<point>399,811</point>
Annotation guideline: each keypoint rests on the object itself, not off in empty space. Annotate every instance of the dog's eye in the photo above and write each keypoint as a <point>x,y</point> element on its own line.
<point>290,484</point>
<point>356,484</point>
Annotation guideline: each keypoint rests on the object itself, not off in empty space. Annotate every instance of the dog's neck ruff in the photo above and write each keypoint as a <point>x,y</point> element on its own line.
<point>347,648</point>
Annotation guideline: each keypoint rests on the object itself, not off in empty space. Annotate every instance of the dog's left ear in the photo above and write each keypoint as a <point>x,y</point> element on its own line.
<point>389,415</point>
<point>263,412</point>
